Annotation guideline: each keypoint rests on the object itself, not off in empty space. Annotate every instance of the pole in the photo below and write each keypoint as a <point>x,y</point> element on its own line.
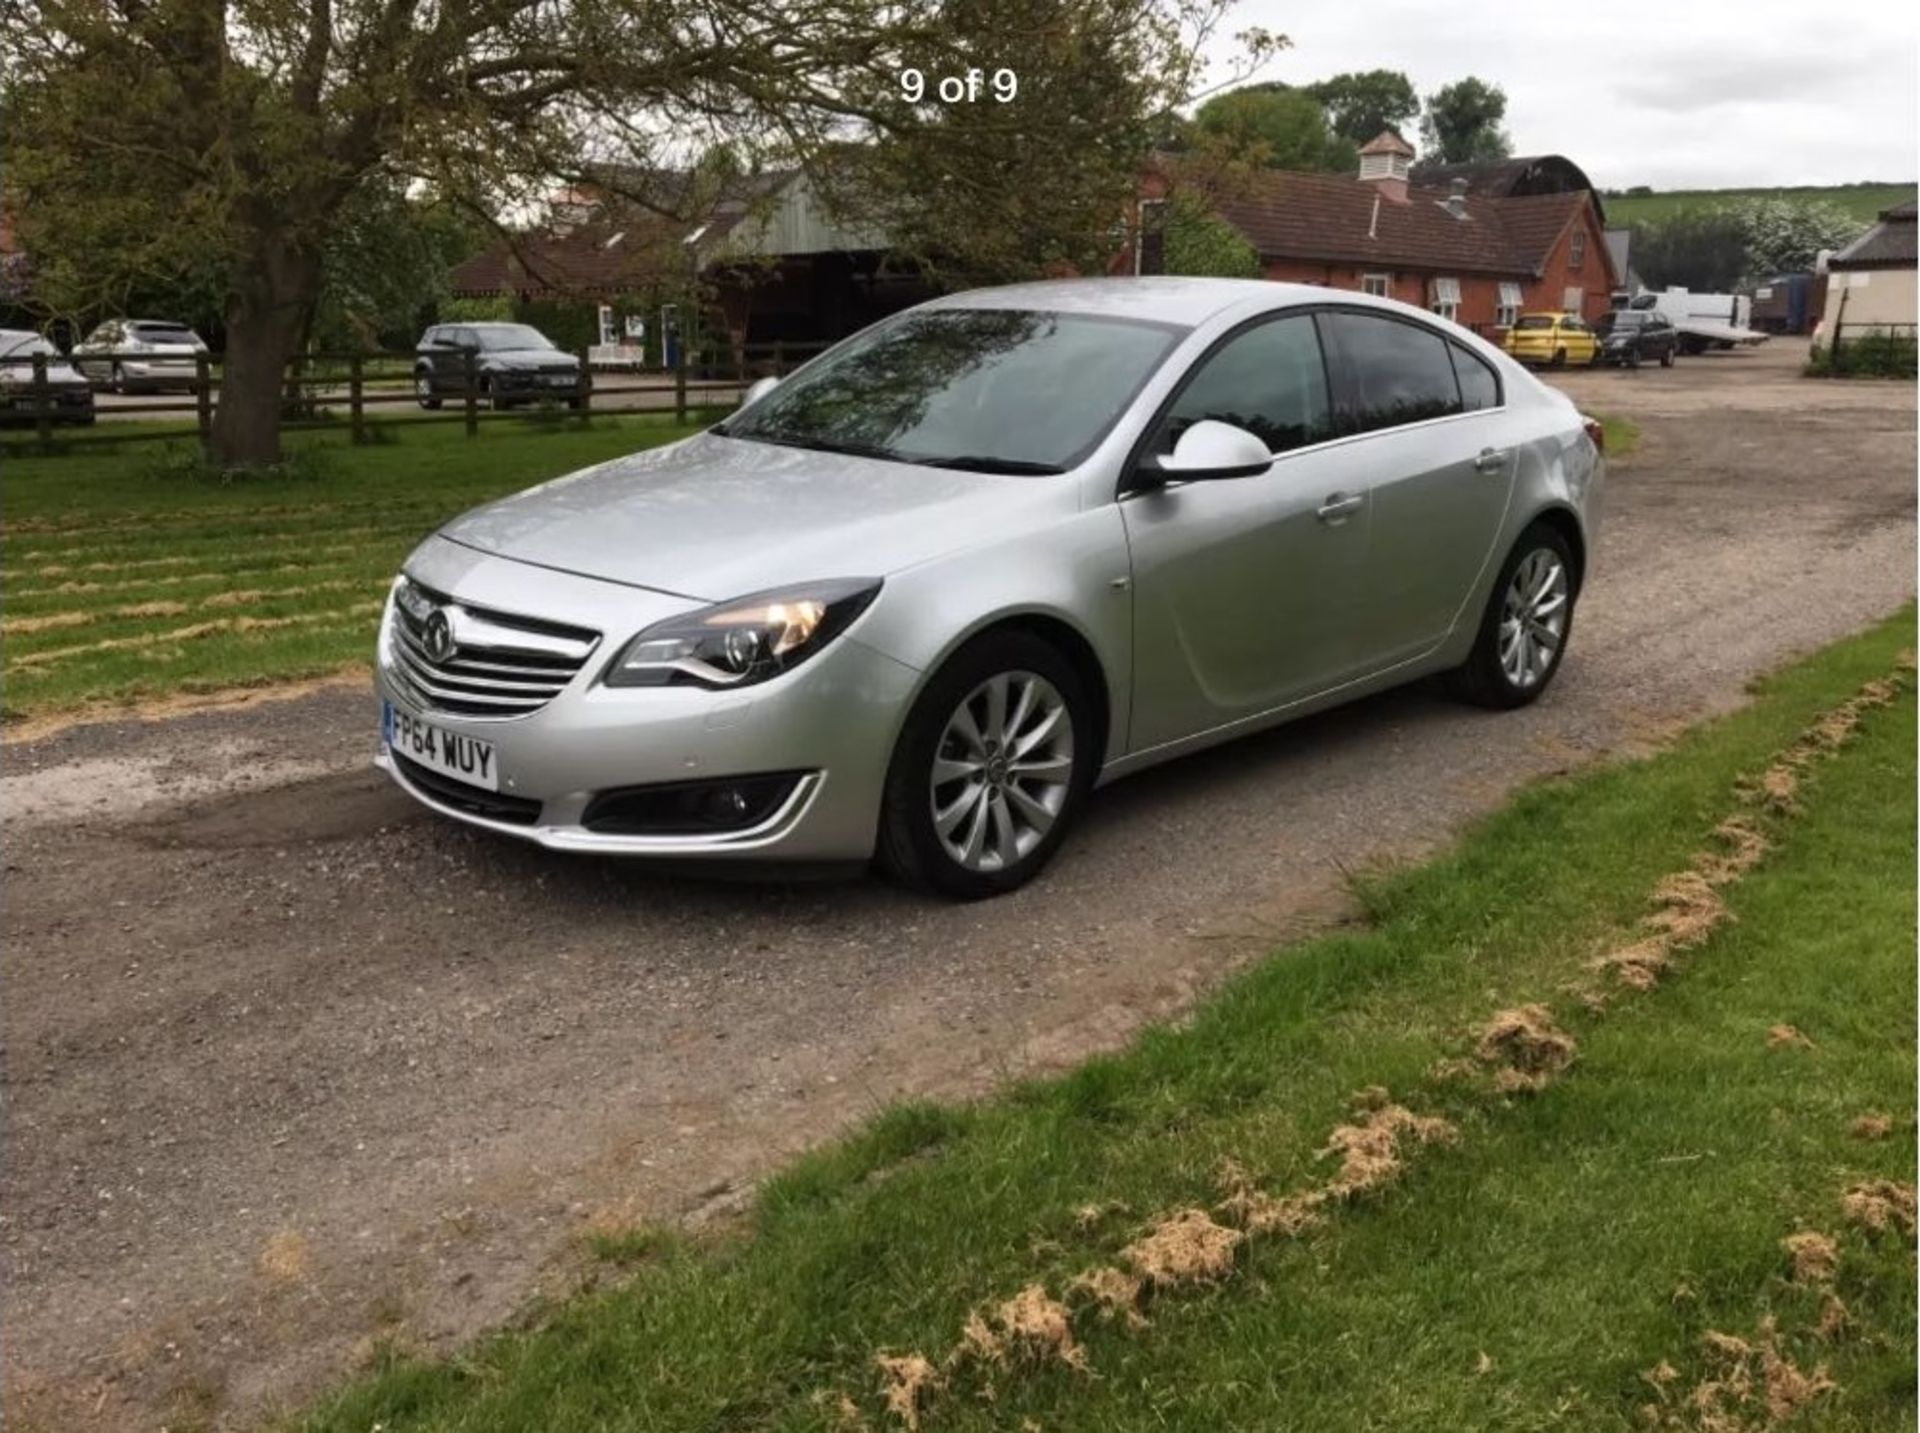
<point>354,399</point>
<point>203,399</point>
<point>585,395</point>
<point>680,377</point>
<point>42,401</point>
<point>472,393</point>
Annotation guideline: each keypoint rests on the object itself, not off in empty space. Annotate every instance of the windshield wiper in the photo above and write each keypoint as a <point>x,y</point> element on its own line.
<point>984,464</point>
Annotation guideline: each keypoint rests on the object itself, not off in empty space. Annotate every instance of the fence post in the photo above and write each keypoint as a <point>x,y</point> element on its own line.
<point>585,395</point>
<point>779,358</point>
<point>354,402</point>
<point>680,381</point>
<point>203,399</point>
<point>42,401</point>
<point>472,393</point>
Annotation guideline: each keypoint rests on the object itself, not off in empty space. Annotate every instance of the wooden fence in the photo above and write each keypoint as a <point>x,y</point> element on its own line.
<point>317,388</point>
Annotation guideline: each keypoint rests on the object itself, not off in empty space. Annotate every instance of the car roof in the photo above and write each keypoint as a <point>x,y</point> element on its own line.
<point>1154,298</point>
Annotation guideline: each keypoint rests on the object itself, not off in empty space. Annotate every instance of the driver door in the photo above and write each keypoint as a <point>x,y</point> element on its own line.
<point>1247,590</point>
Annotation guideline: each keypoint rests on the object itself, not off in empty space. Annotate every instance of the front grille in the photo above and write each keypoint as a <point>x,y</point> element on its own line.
<point>501,665</point>
<point>515,810</point>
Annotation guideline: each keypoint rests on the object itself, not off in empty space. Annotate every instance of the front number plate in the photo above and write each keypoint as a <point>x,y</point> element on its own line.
<point>464,758</point>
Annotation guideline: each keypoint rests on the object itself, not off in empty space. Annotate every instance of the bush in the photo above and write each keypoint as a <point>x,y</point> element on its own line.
<point>1873,355</point>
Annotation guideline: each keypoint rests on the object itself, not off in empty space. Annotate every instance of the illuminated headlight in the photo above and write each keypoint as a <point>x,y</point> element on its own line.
<point>748,640</point>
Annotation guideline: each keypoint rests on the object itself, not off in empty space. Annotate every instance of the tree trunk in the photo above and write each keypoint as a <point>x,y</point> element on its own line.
<point>266,311</point>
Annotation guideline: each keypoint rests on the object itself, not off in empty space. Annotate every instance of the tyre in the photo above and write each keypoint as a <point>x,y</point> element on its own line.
<point>423,390</point>
<point>1666,359</point>
<point>1524,631</point>
<point>991,769</point>
<point>117,380</point>
<point>1633,359</point>
<point>1559,358</point>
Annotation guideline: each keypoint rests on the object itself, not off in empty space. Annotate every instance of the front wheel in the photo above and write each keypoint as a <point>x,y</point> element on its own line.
<point>423,390</point>
<point>1524,630</point>
<point>1666,359</point>
<point>117,380</point>
<point>1559,358</point>
<point>990,770</point>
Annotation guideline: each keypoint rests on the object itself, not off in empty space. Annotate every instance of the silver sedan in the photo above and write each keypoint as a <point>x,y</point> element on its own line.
<point>913,603</point>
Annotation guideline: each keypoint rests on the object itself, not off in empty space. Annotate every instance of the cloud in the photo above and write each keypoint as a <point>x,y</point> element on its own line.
<point>1673,93</point>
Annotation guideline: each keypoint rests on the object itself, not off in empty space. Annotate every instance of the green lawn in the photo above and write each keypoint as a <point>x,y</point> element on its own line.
<point>1529,1274</point>
<point>1864,201</point>
<point>130,576</point>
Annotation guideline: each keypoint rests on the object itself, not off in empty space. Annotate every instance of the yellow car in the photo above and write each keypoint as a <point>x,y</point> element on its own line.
<point>1555,339</point>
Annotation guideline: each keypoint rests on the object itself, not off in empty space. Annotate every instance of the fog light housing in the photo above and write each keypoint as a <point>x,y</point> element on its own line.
<point>691,808</point>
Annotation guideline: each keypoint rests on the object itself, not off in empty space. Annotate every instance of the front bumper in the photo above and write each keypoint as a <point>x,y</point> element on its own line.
<point>528,383</point>
<point>833,719</point>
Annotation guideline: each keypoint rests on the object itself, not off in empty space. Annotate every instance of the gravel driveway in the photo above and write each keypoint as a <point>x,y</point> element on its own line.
<point>291,1066</point>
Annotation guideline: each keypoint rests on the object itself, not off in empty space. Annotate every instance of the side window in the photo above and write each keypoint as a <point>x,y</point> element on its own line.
<point>1269,380</point>
<point>1391,372</point>
<point>1479,384</point>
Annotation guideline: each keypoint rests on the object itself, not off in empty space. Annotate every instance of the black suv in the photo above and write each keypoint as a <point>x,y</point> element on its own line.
<point>1632,336</point>
<point>512,363</point>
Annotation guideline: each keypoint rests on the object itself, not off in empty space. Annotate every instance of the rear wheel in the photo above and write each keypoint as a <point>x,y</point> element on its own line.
<point>1524,630</point>
<point>990,770</point>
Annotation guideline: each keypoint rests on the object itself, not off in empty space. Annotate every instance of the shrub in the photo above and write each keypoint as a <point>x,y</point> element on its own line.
<point>1872,355</point>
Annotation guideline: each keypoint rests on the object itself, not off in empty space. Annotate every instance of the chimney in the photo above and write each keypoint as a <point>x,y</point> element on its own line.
<point>1385,161</point>
<point>1457,199</point>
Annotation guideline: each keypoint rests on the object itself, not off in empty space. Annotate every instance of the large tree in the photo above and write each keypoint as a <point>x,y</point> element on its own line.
<point>1278,127</point>
<point>1462,122</point>
<point>149,136</point>
<point>1359,104</point>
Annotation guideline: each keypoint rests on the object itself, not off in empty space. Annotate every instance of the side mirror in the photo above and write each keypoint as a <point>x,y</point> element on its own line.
<point>1208,450</point>
<point>760,389</point>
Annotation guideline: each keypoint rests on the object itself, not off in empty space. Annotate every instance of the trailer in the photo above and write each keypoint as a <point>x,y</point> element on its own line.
<point>1703,321</point>
<point>1789,303</point>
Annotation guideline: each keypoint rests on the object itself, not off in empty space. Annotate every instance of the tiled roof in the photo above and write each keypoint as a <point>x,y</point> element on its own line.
<point>1887,245</point>
<point>1387,142</point>
<point>624,245</point>
<point>1330,218</point>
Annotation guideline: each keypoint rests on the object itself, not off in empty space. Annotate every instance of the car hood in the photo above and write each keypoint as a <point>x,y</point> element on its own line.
<point>714,518</point>
<point>547,359</point>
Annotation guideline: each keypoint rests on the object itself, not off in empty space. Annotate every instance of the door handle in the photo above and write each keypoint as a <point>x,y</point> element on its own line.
<point>1490,460</point>
<point>1340,506</point>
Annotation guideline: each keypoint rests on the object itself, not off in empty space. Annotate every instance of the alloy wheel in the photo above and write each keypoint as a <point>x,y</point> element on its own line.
<point>1533,618</point>
<point>1002,770</point>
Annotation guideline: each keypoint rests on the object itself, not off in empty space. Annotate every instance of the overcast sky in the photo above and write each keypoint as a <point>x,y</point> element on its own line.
<point>1679,94</point>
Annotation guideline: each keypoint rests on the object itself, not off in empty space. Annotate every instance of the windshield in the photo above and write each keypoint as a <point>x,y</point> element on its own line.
<point>1535,320</point>
<point>987,389</point>
<point>1624,319</point>
<point>511,335</point>
<point>163,333</point>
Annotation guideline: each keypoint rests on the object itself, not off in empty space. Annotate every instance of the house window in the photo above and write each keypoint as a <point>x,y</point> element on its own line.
<point>1379,285</point>
<point>1507,311</point>
<point>1443,297</point>
<point>1573,300</point>
<point>1577,249</point>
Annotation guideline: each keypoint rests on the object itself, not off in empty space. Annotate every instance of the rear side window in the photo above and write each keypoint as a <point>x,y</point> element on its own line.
<point>1479,384</point>
<point>1391,372</point>
<point>1269,380</point>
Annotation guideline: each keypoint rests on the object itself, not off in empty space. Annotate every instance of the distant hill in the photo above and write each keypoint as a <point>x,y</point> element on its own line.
<point>1862,200</point>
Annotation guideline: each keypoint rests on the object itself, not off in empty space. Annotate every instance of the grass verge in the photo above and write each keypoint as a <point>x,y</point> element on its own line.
<point>1599,1247</point>
<point>132,575</point>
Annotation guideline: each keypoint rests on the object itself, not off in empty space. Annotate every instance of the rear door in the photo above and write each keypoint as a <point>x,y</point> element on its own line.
<point>1432,415</point>
<point>1245,589</point>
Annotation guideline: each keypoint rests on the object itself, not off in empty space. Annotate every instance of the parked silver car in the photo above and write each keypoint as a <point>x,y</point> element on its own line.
<point>67,396</point>
<point>914,602</point>
<point>146,355</point>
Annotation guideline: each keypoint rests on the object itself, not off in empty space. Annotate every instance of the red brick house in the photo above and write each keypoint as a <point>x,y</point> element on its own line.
<point>1477,243</point>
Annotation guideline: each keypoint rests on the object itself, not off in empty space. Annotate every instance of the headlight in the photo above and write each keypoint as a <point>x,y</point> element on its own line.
<point>748,640</point>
